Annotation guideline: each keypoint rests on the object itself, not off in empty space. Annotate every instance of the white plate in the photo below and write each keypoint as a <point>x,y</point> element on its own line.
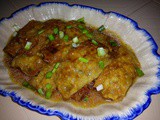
<point>139,96</point>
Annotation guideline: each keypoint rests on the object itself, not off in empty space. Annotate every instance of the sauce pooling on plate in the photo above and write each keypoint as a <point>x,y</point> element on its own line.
<point>71,61</point>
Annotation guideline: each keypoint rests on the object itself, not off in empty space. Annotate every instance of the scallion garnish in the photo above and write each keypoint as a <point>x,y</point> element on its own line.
<point>94,42</point>
<point>75,45</point>
<point>83,60</point>
<point>55,67</point>
<point>81,20</point>
<point>113,43</point>
<point>84,31</point>
<point>80,27</point>
<point>49,74</point>
<point>61,34</point>
<point>101,28</point>
<point>85,99</point>
<point>101,64</point>
<point>66,38</point>
<point>89,35</point>
<point>51,37</point>
<point>75,40</point>
<point>40,32</point>
<point>101,51</point>
<point>40,91</point>
<point>16,27</point>
<point>139,72</point>
<point>25,84</point>
<point>48,86</point>
<point>69,26</point>
<point>48,94</point>
<point>55,30</point>
<point>15,34</point>
<point>28,46</point>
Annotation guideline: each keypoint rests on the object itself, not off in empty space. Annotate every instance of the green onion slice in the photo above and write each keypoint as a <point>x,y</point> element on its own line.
<point>61,34</point>
<point>89,35</point>
<point>55,67</point>
<point>101,64</point>
<point>49,74</point>
<point>85,99</point>
<point>55,30</point>
<point>101,28</point>
<point>51,37</point>
<point>28,46</point>
<point>66,38</point>
<point>101,51</point>
<point>48,86</point>
<point>83,60</point>
<point>113,43</point>
<point>81,20</point>
<point>69,26</point>
<point>94,42</point>
<point>40,91</point>
<point>48,94</point>
<point>75,40</point>
<point>25,84</point>
<point>139,72</point>
<point>40,32</point>
<point>84,31</point>
<point>80,27</point>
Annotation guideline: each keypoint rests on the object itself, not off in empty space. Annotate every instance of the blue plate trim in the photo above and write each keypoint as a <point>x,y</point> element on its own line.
<point>134,112</point>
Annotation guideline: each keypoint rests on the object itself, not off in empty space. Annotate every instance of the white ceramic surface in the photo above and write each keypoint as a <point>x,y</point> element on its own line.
<point>138,97</point>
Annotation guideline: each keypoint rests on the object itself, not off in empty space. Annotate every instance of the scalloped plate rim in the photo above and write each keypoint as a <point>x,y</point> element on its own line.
<point>40,109</point>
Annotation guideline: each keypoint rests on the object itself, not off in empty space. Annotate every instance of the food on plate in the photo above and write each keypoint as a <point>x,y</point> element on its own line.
<point>71,61</point>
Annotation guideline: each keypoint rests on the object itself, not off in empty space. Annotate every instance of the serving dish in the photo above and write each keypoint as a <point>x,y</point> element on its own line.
<point>138,97</point>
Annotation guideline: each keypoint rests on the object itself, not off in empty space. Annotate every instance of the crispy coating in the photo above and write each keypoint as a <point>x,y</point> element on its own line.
<point>118,76</point>
<point>73,76</point>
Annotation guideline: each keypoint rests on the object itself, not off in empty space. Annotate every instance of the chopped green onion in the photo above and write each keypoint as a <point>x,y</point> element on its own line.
<point>61,34</point>
<point>15,34</point>
<point>81,20</point>
<point>49,74</point>
<point>48,94</point>
<point>101,51</point>
<point>40,32</point>
<point>40,91</point>
<point>83,60</point>
<point>101,28</point>
<point>94,42</point>
<point>55,67</point>
<point>48,86</point>
<point>51,37</point>
<point>80,27</point>
<point>28,46</point>
<point>101,64</point>
<point>89,35</point>
<point>113,43</point>
<point>75,40</point>
<point>75,45</point>
<point>85,99</point>
<point>66,38</point>
<point>69,26</point>
<point>84,31</point>
<point>55,30</point>
<point>16,27</point>
<point>25,84</point>
<point>139,72</point>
